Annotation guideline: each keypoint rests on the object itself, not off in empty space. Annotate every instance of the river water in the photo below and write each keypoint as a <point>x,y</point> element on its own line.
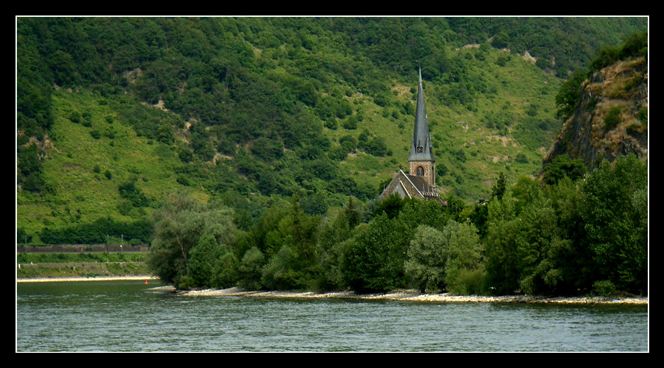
<point>129,316</point>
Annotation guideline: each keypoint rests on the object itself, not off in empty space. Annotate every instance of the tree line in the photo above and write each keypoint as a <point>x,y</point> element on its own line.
<point>571,235</point>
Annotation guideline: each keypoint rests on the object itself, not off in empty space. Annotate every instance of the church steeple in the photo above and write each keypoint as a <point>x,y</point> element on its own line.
<point>421,160</point>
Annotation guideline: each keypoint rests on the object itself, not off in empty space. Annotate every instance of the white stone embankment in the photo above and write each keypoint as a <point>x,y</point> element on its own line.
<point>97,278</point>
<point>399,295</point>
<point>411,295</point>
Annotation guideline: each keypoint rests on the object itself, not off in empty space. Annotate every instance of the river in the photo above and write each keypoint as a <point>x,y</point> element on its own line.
<point>129,316</point>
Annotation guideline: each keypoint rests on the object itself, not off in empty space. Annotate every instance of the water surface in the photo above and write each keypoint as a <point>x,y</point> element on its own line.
<point>128,316</point>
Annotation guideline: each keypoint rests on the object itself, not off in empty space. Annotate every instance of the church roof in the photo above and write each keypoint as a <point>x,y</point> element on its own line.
<point>420,147</point>
<point>421,184</point>
<point>411,186</point>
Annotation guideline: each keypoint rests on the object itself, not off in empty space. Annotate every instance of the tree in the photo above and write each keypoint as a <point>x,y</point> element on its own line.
<point>202,259</point>
<point>563,166</point>
<point>615,221</point>
<point>130,192</point>
<point>391,206</point>
<point>502,263</point>
<point>293,263</point>
<point>250,269</point>
<point>537,243</point>
<point>464,255</point>
<point>186,230</point>
<point>374,261</point>
<point>443,260</point>
<point>569,93</point>
<point>333,241</point>
<point>225,271</point>
<point>526,191</point>
<point>427,258</point>
<point>499,189</point>
<point>501,40</point>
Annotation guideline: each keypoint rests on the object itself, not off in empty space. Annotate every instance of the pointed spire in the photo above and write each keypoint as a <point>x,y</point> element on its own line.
<point>420,148</point>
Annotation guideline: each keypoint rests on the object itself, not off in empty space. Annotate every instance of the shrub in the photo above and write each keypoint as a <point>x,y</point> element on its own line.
<point>75,117</point>
<point>612,118</point>
<point>643,115</point>
<point>604,288</point>
<point>562,166</point>
<point>521,158</point>
<point>469,282</point>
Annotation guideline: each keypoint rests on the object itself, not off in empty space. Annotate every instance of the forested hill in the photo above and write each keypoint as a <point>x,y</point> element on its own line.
<point>113,113</point>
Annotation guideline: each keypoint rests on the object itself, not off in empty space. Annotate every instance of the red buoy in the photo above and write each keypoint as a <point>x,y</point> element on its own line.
<point>146,282</point>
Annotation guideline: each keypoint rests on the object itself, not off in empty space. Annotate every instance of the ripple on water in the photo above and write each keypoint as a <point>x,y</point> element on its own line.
<point>131,318</point>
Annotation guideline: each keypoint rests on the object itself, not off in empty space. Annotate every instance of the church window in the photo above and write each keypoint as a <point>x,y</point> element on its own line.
<point>420,171</point>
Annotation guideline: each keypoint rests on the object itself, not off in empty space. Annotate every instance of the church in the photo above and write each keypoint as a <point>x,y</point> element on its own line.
<point>420,182</point>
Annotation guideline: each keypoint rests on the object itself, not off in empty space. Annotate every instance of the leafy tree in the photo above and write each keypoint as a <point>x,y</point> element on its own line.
<point>464,255</point>
<point>29,167</point>
<point>526,191</point>
<point>225,271</point>
<point>479,217</point>
<point>417,212</point>
<point>455,207</point>
<point>250,269</point>
<point>202,259</point>
<point>615,221</point>
<point>636,45</point>
<point>563,166</point>
<point>376,147</point>
<point>427,259</point>
<point>333,240</point>
<point>573,258</point>
<point>129,191</point>
<point>498,190</point>
<point>569,93</point>
<point>291,245</point>
<point>538,240</point>
<point>186,229</point>
<point>374,260</point>
<point>501,40</point>
<point>607,56</point>
<point>391,206</point>
<point>502,262</point>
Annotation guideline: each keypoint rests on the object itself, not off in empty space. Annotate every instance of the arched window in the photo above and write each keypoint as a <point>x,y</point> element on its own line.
<point>419,171</point>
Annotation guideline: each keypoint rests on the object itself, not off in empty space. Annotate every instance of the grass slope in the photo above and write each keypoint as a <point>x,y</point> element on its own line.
<point>88,162</point>
<point>507,127</point>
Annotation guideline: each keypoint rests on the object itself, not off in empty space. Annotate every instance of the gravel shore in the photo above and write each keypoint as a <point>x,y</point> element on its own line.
<point>97,278</point>
<point>399,295</point>
<point>412,295</point>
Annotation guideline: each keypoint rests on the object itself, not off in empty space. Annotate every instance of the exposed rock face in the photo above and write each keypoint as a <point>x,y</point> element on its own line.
<point>619,92</point>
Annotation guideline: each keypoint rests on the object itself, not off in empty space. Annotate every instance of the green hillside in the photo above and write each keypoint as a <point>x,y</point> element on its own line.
<point>115,113</point>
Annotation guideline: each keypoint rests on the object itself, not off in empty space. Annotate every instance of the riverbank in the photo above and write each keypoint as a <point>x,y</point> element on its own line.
<point>414,296</point>
<point>397,295</point>
<point>96,278</point>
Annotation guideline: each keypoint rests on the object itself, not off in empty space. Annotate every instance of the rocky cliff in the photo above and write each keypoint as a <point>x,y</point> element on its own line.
<point>610,118</point>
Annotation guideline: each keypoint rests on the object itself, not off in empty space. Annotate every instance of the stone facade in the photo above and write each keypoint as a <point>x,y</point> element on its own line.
<point>425,169</point>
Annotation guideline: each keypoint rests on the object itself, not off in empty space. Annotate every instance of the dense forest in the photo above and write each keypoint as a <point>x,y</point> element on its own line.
<point>250,151</point>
